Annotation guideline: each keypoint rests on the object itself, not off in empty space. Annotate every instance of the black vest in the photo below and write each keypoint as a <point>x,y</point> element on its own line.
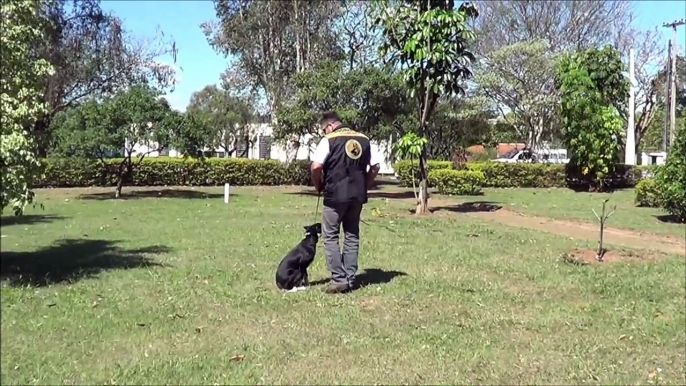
<point>345,169</point>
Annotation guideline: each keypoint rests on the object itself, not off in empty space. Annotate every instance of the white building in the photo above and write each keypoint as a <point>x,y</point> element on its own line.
<point>263,147</point>
<point>653,158</point>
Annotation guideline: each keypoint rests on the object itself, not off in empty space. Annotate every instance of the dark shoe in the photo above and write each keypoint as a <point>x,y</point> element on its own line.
<point>335,288</point>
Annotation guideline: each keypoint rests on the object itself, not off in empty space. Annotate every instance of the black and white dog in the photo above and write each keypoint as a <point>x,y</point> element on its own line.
<point>291,274</point>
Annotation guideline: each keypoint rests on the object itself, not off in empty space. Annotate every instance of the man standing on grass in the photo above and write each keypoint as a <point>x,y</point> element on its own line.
<point>339,169</point>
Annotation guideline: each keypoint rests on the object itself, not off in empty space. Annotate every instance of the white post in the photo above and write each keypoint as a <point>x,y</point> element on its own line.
<point>226,193</point>
<point>629,151</point>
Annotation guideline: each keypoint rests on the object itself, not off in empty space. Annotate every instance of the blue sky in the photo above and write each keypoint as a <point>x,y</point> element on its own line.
<point>201,66</point>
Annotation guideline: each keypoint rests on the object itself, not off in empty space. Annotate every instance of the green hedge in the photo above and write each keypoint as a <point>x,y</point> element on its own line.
<point>648,193</point>
<point>404,170</point>
<point>526,175</point>
<point>167,171</point>
<point>457,182</point>
<point>671,177</point>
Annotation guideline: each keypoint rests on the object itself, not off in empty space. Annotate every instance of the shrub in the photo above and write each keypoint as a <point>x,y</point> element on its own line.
<point>520,175</point>
<point>671,177</point>
<point>647,193</point>
<point>457,182</point>
<point>74,172</point>
<point>405,168</point>
<point>536,175</point>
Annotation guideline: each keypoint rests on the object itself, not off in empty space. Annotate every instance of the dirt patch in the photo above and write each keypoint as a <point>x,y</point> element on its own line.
<point>613,236</point>
<point>587,256</point>
<point>572,229</point>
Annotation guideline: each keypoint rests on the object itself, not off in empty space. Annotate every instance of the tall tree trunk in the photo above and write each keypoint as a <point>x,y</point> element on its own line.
<point>423,202</point>
<point>427,103</point>
<point>637,148</point>
<point>120,184</point>
<point>41,135</point>
<point>121,171</point>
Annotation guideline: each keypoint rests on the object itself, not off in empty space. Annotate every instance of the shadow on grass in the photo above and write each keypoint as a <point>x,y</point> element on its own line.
<point>385,182</point>
<point>668,218</point>
<point>369,276</point>
<point>372,194</point>
<point>29,219</point>
<point>156,193</point>
<point>69,261</point>
<point>469,207</point>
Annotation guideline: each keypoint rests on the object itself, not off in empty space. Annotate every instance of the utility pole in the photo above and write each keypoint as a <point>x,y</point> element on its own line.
<point>671,83</point>
<point>630,148</point>
<point>668,85</point>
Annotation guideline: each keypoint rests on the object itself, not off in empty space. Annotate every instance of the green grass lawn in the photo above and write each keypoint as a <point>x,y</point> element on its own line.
<point>179,288</point>
<point>570,205</point>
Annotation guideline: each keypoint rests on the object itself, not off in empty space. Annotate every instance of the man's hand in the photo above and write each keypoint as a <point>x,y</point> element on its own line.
<point>317,170</point>
<point>371,175</point>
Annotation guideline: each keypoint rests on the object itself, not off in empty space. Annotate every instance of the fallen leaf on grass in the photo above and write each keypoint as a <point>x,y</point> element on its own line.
<point>237,358</point>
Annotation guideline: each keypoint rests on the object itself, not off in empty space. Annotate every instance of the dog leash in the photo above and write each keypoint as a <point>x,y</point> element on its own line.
<point>316,210</point>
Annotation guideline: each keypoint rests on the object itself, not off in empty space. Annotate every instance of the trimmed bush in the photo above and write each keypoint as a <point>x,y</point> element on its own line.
<point>520,175</point>
<point>671,177</point>
<point>457,182</point>
<point>404,170</point>
<point>170,171</point>
<point>531,175</point>
<point>647,193</point>
<point>167,171</point>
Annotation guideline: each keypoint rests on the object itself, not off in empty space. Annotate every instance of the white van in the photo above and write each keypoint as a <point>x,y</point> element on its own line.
<point>554,156</point>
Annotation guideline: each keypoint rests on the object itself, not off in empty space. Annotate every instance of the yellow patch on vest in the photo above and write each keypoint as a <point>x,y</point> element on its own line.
<point>353,149</point>
<point>345,133</point>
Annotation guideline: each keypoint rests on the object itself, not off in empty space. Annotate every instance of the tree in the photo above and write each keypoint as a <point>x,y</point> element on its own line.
<point>457,124</point>
<point>133,121</point>
<point>564,25</point>
<point>593,90</point>
<point>671,178</point>
<point>520,77</point>
<point>410,146</point>
<point>94,56</point>
<point>227,118</point>
<point>273,40</point>
<point>359,36</point>
<point>429,40</point>
<point>20,100</point>
<point>649,84</point>
<point>370,99</point>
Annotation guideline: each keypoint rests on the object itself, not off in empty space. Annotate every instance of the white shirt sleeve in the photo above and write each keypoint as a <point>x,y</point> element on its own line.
<point>321,152</point>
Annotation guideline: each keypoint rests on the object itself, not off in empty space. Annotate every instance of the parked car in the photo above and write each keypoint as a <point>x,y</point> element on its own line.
<point>555,156</point>
<point>558,156</point>
<point>515,156</point>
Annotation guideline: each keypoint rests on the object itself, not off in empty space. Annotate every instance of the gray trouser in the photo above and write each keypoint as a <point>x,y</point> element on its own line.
<point>343,266</point>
